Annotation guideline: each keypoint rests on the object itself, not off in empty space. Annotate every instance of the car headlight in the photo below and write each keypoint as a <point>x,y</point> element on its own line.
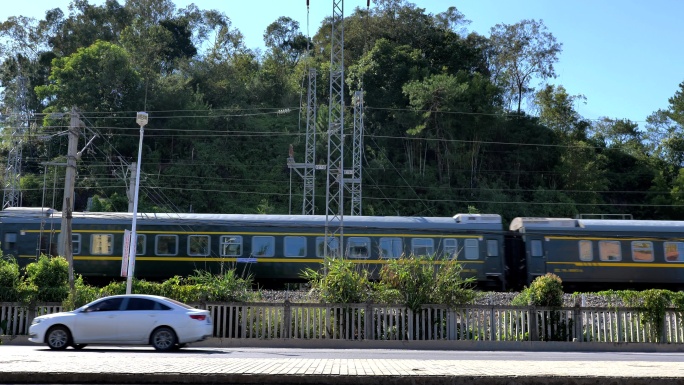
<point>36,321</point>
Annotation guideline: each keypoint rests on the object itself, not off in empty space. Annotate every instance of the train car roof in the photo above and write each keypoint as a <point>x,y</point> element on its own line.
<point>459,221</point>
<point>522,224</point>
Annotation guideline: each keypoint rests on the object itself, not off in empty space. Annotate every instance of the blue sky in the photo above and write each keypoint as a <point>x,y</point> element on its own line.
<point>625,56</point>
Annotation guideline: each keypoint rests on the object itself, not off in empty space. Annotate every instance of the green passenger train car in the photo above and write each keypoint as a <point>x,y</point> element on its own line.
<point>271,248</point>
<point>603,253</point>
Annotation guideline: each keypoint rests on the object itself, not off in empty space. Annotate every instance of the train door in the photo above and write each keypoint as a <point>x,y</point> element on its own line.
<point>535,256</point>
<point>494,269</point>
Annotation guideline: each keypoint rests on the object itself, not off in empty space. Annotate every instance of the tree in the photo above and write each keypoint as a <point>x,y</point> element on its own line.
<point>522,51</point>
<point>85,25</point>
<point>557,111</point>
<point>285,41</point>
<point>96,78</point>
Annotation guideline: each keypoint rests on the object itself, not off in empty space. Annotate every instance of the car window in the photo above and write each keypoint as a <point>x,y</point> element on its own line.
<point>111,304</point>
<point>145,304</point>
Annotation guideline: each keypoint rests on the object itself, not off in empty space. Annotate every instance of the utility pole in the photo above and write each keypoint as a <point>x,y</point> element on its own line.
<point>73,155</point>
<point>69,182</point>
<point>131,187</point>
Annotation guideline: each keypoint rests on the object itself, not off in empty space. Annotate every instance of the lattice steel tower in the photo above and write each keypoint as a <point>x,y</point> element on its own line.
<point>334,206</point>
<point>19,123</point>
<point>309,165</point>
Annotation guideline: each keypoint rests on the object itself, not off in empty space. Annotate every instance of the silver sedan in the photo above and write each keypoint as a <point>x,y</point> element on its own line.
<point>135,319</point>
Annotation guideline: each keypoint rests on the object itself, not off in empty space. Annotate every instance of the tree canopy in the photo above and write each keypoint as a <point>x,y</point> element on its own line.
<point>454,121</point>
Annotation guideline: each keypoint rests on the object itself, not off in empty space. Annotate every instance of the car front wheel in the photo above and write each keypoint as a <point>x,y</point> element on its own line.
<point>164,339</point>
<point>58,338</point>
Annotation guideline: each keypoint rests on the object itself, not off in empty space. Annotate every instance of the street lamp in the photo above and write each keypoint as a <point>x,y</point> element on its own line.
<point>141,119</point>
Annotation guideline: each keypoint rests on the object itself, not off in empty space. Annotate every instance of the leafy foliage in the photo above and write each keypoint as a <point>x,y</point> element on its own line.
<point>339,281</point>
<point>444,127</point>
<point>48,279</point>
<point>411,281</point>
<point>545,291</point>
<point>10,279</point>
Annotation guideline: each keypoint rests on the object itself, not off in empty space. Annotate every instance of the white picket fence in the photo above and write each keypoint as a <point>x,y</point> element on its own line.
<point>306,321</point>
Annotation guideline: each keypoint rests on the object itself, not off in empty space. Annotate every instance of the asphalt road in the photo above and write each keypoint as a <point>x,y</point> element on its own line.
<point>37,364</point>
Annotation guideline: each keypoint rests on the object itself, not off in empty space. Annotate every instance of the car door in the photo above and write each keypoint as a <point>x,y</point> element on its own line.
<point>139,317</point>
<point>98,322</point>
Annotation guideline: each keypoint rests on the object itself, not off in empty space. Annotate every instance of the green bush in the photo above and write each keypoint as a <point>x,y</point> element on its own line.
<point>339,281</point>
<point>451,288</point>
<point>416,281</point>
<point>226,287</point>
<point>10,279</point>
<point>47,279</point>
<point>409,281</point>
<point>82,295</point>
<point>545,291</point>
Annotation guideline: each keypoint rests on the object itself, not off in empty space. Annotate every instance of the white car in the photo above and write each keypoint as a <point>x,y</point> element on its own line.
<point>135,319</point>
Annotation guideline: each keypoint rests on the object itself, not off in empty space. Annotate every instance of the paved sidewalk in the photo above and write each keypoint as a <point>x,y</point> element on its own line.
<point>147,367</point>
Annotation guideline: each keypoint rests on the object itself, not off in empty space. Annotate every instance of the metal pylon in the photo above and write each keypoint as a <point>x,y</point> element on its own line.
<point>354,182</point>
<point>334,207</point>
<point>309,165</point>
<point>19,123</point>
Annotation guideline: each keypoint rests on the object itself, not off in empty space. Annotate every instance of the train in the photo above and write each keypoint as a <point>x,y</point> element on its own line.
<point>587,254</point>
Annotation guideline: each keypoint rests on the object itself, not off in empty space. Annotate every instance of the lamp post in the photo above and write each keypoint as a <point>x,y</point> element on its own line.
<point>141,119</point>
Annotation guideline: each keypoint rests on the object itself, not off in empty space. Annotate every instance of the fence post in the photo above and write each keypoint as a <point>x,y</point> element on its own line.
<point>492,335</point>
<point>451,329</point>
<point>534,330</point>
<point>619,326</point>
<point>663,329</point>
<point>577,323</point>
<point>368,322</point>
<point>287,315</point>
<point>31,314</point>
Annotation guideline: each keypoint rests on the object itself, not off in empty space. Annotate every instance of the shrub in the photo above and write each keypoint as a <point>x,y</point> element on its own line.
<point>47,279</point>
<point>416,281</point>
<point>409,281</point>
<point>10,279</point>
<point>82,295</point>
<point>339,281</point>
<point>545,291</point>
<point>226,287</point>
<point>451,288</point>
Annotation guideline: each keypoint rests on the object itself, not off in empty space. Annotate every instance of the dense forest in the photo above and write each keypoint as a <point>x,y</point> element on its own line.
<point>454,121</point>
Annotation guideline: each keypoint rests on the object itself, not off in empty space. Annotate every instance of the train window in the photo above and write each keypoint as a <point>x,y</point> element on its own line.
<point>610,251</point>
<point>101,244</point>
<point>295,246</point>
<point>166,245</point>
<point>674,251</point>
<point>586,251</point>
<point>231,246</point>
<point>263,246</point>
<point>76,243</point>
<point>10,240</point>
<point>422,247</point>
<point>333,247</point>
<point>492,248</point>
<point>391,248</point>
<point>450,248</point>
<point>358,247</point>
<point>199,245</point>
<point>642,251</point>
<point>472,249</point>
<point>536,248</point>
<point>140,244</point>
